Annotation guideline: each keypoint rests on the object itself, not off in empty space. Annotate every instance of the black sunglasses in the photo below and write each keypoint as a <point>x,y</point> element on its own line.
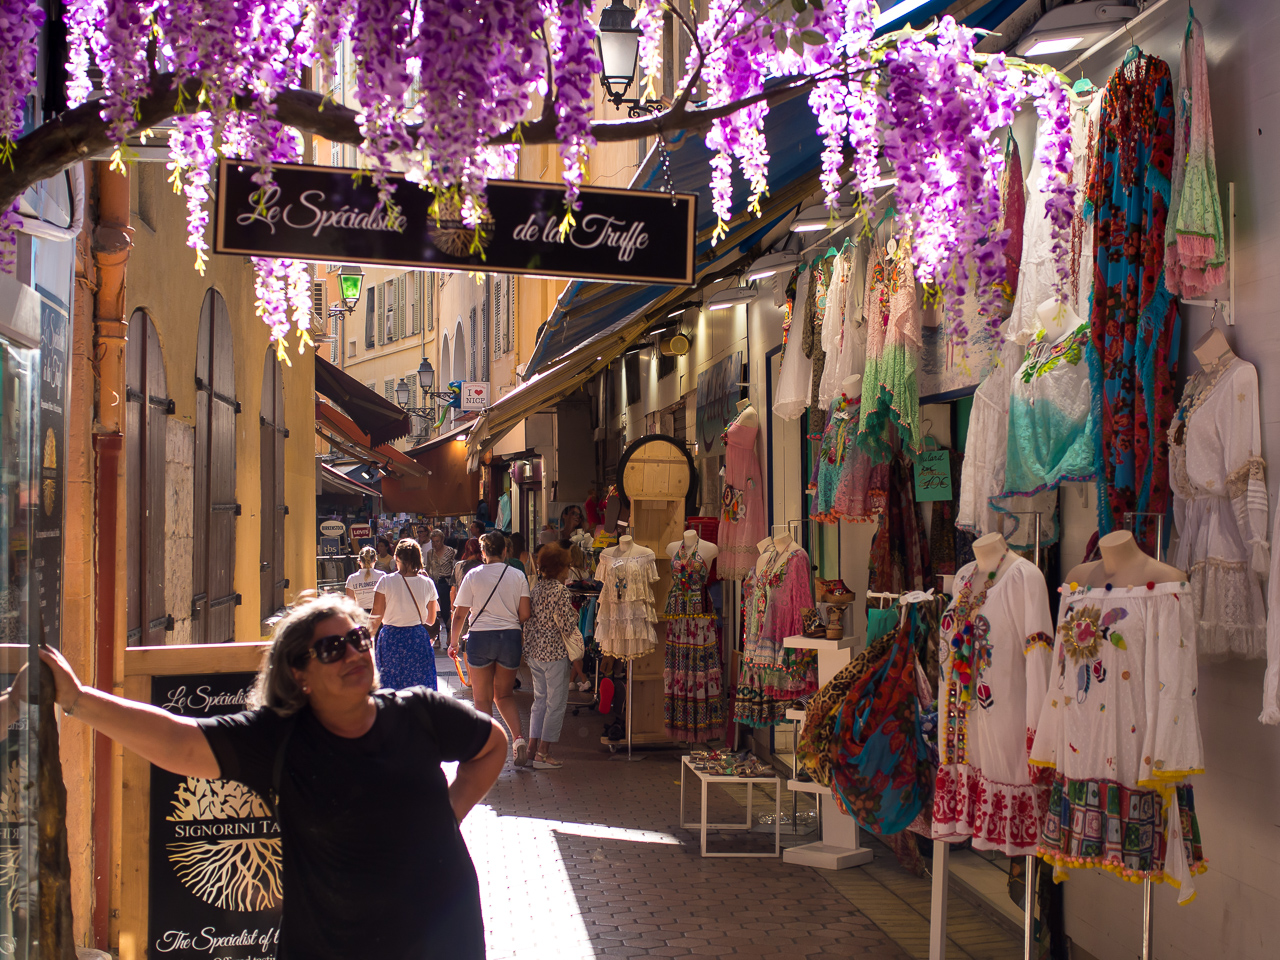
<point>333,648</point>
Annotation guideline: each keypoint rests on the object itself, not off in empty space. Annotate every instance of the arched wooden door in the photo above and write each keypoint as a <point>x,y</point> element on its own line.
<point>214,597</point>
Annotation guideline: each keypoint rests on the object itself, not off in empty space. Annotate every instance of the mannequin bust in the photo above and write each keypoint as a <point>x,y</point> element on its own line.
<point>850,387</point>
<point>1057,319</point>
<point>993,555</point>
<point>1212,347</point>
<point>747,414</point>
<point>693,544</point>
<point>781,542</point>
<point>626,547</point>
<point>1123,564</point>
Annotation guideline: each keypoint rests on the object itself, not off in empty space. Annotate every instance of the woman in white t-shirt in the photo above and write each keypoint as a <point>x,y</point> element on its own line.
<point>499,595</point>
<point>404,606</point>
<point>362,584</point>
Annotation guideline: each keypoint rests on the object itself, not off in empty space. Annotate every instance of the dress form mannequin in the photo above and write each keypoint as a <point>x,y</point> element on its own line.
<point>747,413</point>
<point>992,555</point>
<point>626,547</point>
<point>851,387</point>
<point>1212,347</point>
<point>783,546</point>
<point>1057,319</point>
<point>693,544</point>
<point>1123,564</point>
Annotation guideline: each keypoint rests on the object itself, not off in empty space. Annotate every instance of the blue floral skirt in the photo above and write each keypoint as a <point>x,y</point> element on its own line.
<point>404,658</point>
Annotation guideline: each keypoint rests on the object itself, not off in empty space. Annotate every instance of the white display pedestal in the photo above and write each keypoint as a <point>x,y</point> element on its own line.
<point>840,846</point>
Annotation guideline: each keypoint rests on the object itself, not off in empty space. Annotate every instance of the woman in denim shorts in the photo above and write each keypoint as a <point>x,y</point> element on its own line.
<point>494,600</point>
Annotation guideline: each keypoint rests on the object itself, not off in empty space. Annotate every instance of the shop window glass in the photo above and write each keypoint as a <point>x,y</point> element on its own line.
<point>145,451</point>
<point>214,598</point>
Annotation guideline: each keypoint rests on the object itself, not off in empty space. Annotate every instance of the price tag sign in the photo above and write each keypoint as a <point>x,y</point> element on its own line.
<point>933,476</point>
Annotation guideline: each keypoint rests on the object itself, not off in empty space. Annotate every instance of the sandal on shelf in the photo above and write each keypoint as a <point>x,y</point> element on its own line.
<point>546,763</point>
<point>811,623</point>
<point>520,752</point>
<point>834,591</point>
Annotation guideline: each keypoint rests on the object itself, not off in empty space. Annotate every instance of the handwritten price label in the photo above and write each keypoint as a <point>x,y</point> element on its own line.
<point>933,475</point>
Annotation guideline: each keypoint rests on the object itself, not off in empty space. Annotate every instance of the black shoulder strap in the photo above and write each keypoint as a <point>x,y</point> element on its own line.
<point>277,771</point>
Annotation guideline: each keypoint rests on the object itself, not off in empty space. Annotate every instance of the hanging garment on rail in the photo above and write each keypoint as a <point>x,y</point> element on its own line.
<point>692,683</point>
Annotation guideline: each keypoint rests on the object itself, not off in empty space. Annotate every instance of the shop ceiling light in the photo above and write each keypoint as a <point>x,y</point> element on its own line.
<point>730,297</point>
<point>1074,26</point>
<point>818,217</point>
<point>772,263</point>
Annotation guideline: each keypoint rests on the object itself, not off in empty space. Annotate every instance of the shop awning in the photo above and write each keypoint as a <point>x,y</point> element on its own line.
<point>335,481</point>
<point>458,432</point>
<point>380,419</point>
<point>588,308</point>
<point>448,488</point>
<point>341,432</point>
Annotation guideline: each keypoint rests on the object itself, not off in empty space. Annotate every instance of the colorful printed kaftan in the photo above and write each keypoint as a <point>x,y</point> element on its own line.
<point>890,393</point>
<point>1220,507</point>
<point>1120,729</point>
<point>774,676</point>
<point>1051,435</point>
<point>742,516</point>
<point>1134,320</point>
<point>900,548</point>
<point>691,675</point>
<point>991,689</point>
<point>626,618</point>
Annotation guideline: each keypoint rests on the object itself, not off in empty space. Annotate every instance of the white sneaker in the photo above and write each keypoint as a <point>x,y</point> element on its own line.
<point>584,686</point>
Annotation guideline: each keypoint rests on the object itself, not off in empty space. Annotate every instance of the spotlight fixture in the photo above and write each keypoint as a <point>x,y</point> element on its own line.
<point>1074,26</point>
<point>730,297</point>
<point>772,263</point>
<point>818,217</point>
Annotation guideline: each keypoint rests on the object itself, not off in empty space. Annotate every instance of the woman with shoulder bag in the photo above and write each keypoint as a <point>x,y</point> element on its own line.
<point>404,607</point>
<point>500,597</point>
<point>551,642</point>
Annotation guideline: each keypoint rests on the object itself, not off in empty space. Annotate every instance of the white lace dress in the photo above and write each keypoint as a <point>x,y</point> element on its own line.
<point>982,476</point>
<point>626,618</point>
<point>844,335</point>
<point>1220,508</point>
<point>1038,273</point>
<point>985,789</point>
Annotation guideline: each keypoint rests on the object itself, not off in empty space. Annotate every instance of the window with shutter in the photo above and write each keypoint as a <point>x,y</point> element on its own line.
<point>272,509</point>
<point>471,366</point>
<point>370,312</point>
<point>485,311</point>
<point>382,306</point>
<point>333,350</point>
<point>389,309</point>
<point>214,599</point>
<point>146,435</point>
<point>431,301</point>
<point>401,305</point>
<point>389,389</point>
<point>319,306</point>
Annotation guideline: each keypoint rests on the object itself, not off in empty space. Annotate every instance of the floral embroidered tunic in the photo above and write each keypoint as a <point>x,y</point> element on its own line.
<point>1134,319</point>
<point>692,678</point>
<point>773,676</point>
<point>1119,726</point>
<point>1052,436</point>
<point>890,392</point>
<point>841,471</point>
<point>1220,509</point>
<point>985,788</point>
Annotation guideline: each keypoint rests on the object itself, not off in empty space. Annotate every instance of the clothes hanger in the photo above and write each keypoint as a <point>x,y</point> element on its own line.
<point>1134,52</point>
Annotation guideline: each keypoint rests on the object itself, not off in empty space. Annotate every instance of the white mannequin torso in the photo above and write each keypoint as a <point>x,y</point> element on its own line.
<point>1056,319</point>
<point>747,414</point>
<point>626,548</point>
<point>776,550</point>
<point>693,544</point>
<point>991,554</point>
<point>1123,564</point>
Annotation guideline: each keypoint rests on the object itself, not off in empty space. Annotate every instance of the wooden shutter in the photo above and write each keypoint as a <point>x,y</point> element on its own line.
<point>319,306</point>
<point>431,301</point>
<point>471,340</point>
<point>214,549</point>
<point>401,297</point>
<point>370,313</point>
<point>389,389</point>
<point>272,434</point>
<point>380,316</point>
<point>146,435</point>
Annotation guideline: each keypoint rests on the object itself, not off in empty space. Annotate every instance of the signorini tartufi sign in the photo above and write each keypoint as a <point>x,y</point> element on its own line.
<point>332,214</point>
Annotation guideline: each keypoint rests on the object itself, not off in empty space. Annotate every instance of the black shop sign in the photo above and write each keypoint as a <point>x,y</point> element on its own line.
<point>215,867</point>
<point>331,214</point>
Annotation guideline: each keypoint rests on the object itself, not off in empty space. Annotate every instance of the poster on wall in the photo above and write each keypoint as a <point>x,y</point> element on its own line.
<point>50,468</point>
<point>952,367</point>
<point>717,398</point>
<point>216,878</point>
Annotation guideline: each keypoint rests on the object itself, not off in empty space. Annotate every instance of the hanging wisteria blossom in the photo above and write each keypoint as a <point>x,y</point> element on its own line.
<point>446,91</point>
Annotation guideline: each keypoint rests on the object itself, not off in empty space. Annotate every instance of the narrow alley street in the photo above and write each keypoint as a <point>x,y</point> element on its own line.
<point>589,862</point>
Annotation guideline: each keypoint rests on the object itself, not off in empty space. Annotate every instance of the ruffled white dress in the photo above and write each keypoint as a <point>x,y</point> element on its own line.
<point>795,380</point>
<point>844,334</point>
<point>626,617</point>
<point>982,476</point>
<point>1220,508</point>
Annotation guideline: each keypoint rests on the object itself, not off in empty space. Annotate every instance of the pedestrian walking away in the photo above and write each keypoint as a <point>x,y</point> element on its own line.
<point>404,607</point>
<point>374,862</point>
<point>554,622</point>
<point>500,598</point>
<point>440,560</point>
<point>362,584</point>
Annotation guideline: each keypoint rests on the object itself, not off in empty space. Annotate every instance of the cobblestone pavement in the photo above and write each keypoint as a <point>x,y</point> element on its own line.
<point>589,861</point>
